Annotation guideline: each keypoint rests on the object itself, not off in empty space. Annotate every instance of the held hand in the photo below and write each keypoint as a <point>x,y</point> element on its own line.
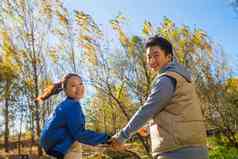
<point>113,142</point>
<point>104,146</point>
<point>143,132</point>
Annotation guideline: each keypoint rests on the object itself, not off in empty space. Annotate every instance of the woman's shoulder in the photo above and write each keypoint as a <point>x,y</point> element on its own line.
<point>68,103</point>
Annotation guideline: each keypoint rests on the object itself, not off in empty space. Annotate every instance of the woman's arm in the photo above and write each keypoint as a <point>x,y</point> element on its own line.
<point>76,126</point>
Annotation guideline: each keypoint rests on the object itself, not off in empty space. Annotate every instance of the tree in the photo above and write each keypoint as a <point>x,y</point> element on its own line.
<point>27,29</point>
<point>8,76</point>
<point>234,4</point>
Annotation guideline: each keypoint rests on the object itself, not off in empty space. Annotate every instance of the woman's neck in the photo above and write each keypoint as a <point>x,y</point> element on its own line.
<point>71,98</point>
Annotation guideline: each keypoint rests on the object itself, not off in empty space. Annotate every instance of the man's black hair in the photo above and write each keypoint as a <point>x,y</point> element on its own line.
<point>161,42</point>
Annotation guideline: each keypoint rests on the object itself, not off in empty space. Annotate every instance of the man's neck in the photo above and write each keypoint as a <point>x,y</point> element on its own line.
<point>163,69</point>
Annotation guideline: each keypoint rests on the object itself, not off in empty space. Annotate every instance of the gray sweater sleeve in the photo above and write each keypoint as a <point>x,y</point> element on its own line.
<point>161,92</point>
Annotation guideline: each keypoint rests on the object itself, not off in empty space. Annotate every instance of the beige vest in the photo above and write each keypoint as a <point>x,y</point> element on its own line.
<point>180,124</point>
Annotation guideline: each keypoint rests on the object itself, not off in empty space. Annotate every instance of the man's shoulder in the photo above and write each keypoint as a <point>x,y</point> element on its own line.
<point>164,79</point>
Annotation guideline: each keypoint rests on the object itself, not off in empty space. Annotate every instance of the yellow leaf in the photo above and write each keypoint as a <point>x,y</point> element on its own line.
<point>82,18</point>
<point>123,38</point>
<point>147,28</point>
<point>90,52</point>
<point>63,19</point>
<point>85,38</point>
<point>115,24</point>
<point>131,48</point>
<point>46,8</point>
<point>29,84</point>
<point>120,18</point>
<point>53,55</point>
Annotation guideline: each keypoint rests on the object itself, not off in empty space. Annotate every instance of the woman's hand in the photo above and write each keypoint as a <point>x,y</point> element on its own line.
<point>116,145</point>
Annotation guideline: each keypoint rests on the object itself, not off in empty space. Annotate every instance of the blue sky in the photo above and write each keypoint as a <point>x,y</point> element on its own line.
<point>216,17</point>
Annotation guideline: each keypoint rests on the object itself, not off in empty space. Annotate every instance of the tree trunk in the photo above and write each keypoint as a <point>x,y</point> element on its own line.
<point>32,130</point>
<point>37,121</point>
<point>6,134</point>
<point>20,134</point>
<point>104,121</point>
<point>36,91</point>
<point>114,118</point>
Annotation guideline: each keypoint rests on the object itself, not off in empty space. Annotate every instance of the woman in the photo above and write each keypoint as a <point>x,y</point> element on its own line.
<point>66,125</point>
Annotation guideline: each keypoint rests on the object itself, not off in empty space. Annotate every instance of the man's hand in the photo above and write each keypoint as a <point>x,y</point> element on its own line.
<point>143,132</point>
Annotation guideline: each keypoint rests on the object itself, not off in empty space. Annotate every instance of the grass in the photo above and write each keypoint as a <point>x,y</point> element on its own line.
<point>219,149</point>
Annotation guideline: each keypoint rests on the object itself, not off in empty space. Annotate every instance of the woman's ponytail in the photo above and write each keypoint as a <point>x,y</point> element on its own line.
<point>56,87</point>
<point>50,90</point>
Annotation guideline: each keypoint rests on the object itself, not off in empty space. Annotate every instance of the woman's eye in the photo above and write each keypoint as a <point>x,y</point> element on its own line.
<point>78,85</point>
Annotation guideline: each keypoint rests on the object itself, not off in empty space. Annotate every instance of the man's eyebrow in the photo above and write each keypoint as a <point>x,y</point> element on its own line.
<point>154,51</point>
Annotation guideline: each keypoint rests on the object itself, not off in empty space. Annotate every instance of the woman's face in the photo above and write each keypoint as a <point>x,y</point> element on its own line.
<point>74,88</point>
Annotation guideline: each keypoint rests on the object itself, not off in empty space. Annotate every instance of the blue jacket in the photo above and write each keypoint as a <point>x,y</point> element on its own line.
<point>67,125</point>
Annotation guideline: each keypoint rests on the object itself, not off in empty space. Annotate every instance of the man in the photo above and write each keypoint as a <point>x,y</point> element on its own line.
<point>177,129</point>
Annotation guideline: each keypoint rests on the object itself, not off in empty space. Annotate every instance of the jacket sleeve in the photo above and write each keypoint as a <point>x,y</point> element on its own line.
<point>76,126</point>
<point>160,95</point>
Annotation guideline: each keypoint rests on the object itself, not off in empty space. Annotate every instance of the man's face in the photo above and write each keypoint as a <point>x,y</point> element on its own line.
<point>156,58</point>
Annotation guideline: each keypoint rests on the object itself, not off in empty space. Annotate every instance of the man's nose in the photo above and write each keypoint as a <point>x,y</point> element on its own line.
<point>152,60</point>
<point>78,87</point>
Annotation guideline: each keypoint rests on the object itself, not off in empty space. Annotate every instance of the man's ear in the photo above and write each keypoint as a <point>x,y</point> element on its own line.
<point>170,56</point>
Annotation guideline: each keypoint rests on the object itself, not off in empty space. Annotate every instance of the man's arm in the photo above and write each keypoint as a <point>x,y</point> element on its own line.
<point>160,95</point>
